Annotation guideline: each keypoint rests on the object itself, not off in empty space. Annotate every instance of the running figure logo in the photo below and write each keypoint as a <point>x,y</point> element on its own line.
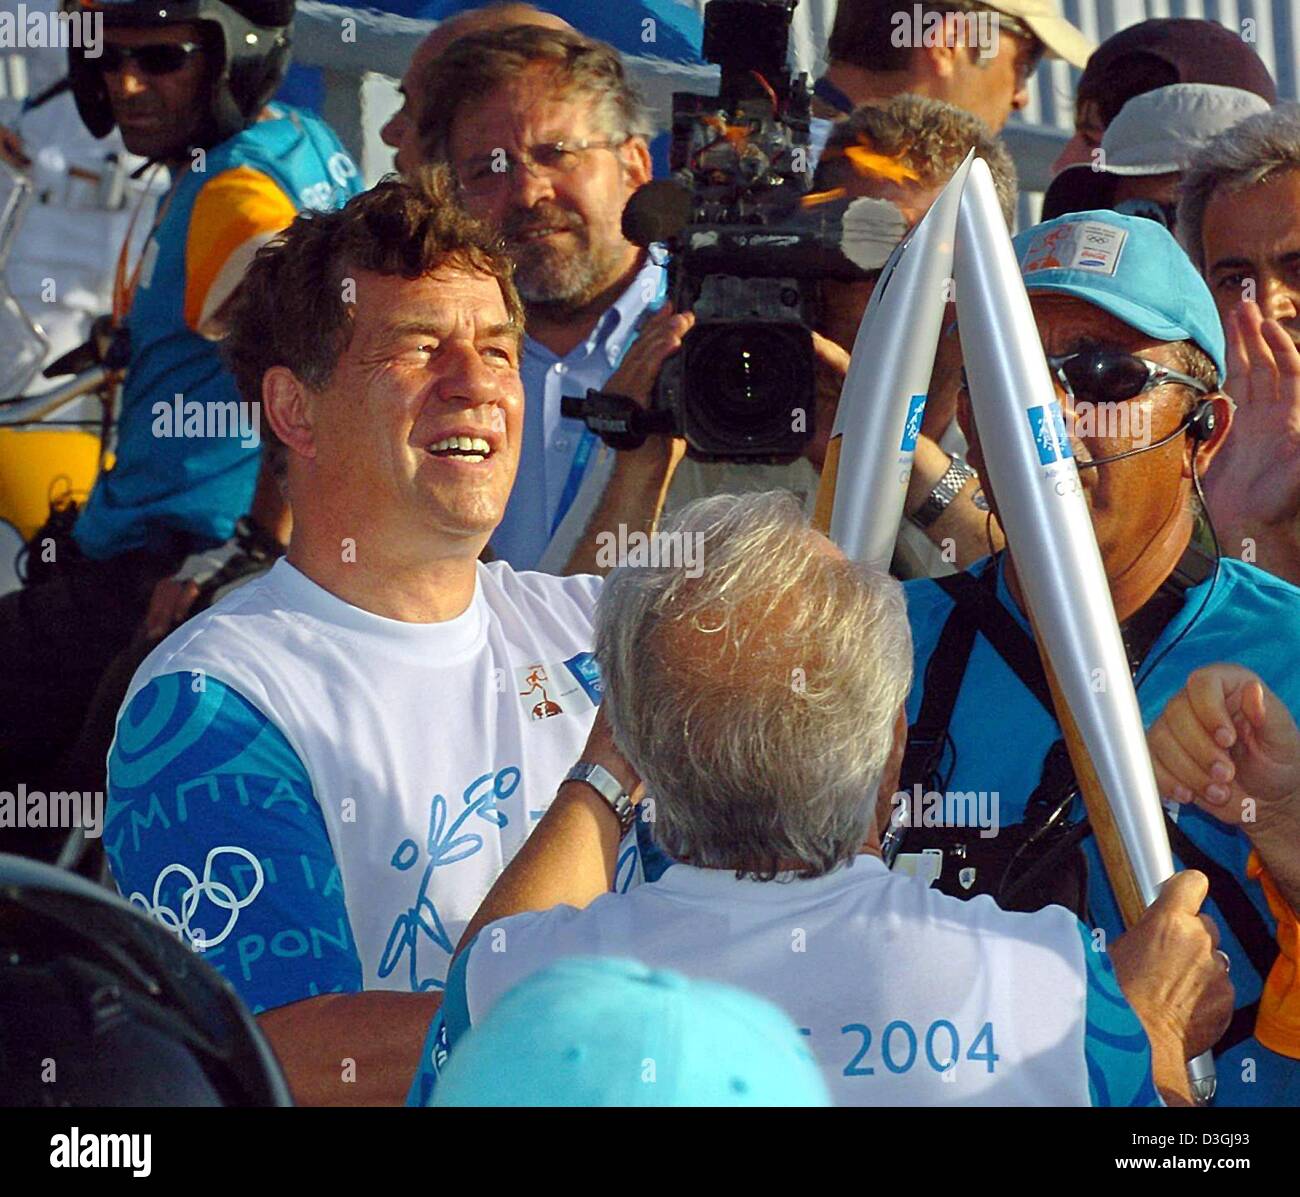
<point>535,683</point>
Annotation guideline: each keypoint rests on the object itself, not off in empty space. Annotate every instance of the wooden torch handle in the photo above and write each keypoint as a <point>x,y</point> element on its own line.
<point>1114,856</point>
<point>821,518</point>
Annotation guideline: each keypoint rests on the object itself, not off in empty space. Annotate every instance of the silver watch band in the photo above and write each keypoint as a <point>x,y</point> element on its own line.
<point>949,486</point>
<point>608,787</point>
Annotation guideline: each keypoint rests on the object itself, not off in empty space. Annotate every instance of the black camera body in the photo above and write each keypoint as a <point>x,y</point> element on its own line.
<point>746,254</point>
<point>742,386</point>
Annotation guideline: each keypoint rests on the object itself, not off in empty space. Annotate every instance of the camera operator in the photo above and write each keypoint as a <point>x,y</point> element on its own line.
<point>547,142</point>
<point>741,169</point>
<point>925,141</point>
<point>189,86</point>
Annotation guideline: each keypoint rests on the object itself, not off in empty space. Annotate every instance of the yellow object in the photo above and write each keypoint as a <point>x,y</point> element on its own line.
<point>1278,1024</point>
<point>238,207</point>
<point>868,162</point>
<point>38,465</point>
<point>825,505</point>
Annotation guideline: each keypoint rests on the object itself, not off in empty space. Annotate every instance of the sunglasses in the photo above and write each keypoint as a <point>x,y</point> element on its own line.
<point>161,58</point>
<point>1104,376</point>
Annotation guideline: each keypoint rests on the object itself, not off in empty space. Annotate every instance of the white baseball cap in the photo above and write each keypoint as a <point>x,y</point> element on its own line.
<point>1156,133</point>
<point>1044,18</point>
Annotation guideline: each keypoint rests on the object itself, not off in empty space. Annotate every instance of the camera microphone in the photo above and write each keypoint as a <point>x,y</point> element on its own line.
<point>870,231</point>
<point>657,211</point>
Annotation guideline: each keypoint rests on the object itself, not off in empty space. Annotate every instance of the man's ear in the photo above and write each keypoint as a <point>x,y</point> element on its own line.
<point>893,766</point>
<point>635,157</point>
<point>1206,451</point>
<point>290,409</point>
<point>937,62</point>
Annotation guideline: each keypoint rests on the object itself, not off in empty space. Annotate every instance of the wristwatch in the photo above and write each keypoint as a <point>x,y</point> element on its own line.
<point>609,788</point>
<point>945,491</point>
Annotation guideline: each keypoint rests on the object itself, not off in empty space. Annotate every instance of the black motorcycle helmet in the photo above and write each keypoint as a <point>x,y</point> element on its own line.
<point>252,38</point>
<point>101,1006</point>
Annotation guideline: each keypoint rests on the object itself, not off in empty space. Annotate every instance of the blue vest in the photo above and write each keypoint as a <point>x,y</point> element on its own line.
<point>187,491</point>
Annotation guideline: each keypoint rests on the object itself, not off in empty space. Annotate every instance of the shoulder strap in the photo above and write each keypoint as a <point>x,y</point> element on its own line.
<point>983,612</point>
<point>1239,912</point>
<point>942,681</point>
<point>928,735</point>
<point>1008,638</point>
<point>1017,649</point>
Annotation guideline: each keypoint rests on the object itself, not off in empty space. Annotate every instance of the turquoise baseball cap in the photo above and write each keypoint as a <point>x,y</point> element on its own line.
<point>1128,266</point>
<point>591,1031</point>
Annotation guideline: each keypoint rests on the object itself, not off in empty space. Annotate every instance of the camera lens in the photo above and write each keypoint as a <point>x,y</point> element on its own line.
<point>749,379</point>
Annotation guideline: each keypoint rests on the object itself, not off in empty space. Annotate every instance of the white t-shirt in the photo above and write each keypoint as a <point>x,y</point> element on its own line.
<point>908,997</point>
<point>417,756</point>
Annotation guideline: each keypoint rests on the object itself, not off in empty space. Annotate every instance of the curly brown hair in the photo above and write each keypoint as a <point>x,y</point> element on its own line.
<point>929,136</point>
<point>290,309</point>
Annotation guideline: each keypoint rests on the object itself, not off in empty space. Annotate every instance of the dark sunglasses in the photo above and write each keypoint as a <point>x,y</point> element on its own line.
<point>1032,51</point>
<point>161,58</point>
<point>1104,376</point>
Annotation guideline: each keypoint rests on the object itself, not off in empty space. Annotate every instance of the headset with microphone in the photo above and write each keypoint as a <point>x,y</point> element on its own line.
<point>1200,425</point>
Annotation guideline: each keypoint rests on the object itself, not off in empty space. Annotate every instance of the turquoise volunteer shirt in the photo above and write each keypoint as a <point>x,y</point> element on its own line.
<point>1001,734</point>
<point>190,489</point>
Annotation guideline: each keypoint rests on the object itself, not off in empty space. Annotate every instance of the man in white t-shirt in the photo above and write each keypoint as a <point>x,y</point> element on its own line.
<point>761,701</point>
<point>317,781</point>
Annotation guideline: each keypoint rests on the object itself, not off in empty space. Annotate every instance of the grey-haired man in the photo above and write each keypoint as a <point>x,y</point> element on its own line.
<point>1238,221</point>
<point>761,703</point>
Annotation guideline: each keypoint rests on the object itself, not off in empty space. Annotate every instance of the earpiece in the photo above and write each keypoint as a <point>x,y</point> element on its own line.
<point>1200,426</point>
<point>1202,423</point>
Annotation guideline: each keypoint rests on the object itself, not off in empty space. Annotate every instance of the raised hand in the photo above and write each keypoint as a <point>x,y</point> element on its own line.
<point>1228,744</point>
<point>1252,487</point>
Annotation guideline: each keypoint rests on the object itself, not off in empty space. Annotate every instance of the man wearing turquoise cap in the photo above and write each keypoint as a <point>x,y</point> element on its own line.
<point>1135,345</point>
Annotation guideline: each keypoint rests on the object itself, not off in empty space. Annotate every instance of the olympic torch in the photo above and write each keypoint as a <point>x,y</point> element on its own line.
<point>873,441</point>
<point>1032,473</point>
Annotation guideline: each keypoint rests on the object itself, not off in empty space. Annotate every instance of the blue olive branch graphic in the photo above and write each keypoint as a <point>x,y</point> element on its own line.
<point>445,846</point>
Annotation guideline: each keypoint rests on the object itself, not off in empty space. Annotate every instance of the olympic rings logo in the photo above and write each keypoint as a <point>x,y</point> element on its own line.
<point>217,892</point>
